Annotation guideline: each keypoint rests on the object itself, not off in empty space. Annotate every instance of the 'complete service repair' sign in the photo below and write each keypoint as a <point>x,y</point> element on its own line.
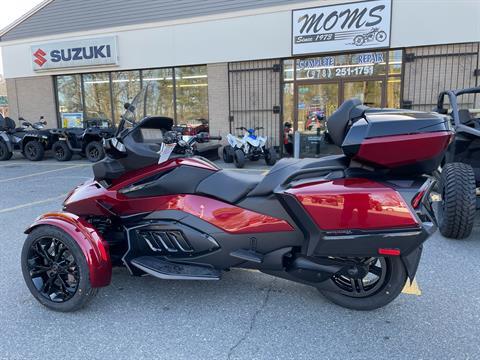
<point>351,26</point>
<point>75,53</point>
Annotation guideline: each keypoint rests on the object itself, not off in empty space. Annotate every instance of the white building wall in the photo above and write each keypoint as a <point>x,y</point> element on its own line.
<point>256,35</point>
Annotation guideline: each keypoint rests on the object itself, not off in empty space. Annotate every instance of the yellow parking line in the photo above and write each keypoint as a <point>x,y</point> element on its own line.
<point>41,173</point>
<point>33,203</point>
<point>412,289</point>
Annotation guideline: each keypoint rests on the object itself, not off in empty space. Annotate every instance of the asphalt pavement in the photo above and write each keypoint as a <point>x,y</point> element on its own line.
<point>246,315</point>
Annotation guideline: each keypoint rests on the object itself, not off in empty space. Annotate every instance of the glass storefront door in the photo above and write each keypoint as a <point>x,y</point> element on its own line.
<point>315,102</point>
<point>370,92</point>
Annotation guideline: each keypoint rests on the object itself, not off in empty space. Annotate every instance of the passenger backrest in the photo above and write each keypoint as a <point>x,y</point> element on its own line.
<point>338,121</point>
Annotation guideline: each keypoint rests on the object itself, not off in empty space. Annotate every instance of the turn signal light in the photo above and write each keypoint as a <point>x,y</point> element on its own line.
<point>389,252</point>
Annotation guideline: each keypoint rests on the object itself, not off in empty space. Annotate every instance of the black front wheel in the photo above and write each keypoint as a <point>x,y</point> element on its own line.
<point>382,280</point>
<point>227,154</point>
<point>5,154</point>
<point>62,151</point>
<point>34,151</point>
<point>94,151</point>
<point>239,158</point>
<point>270,156</point>
<point>55,270</point>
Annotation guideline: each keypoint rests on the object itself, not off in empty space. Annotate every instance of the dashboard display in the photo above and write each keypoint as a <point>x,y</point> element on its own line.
<point>152,135</point>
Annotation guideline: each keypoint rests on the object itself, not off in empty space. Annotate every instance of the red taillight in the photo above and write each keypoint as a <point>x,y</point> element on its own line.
<point>418,199</point>
<point>389,252</point>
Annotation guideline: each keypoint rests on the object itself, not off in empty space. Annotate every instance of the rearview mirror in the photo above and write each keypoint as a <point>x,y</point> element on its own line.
<point>127,106</point>
<point>21,118</point>
<point>41,117</point>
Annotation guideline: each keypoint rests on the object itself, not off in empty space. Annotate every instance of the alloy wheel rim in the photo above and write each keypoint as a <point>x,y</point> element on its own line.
<point>94,153</point>
<point>60,153</point>
<point>31,151</point>
<point>53,269</point>
<point>371,283</point>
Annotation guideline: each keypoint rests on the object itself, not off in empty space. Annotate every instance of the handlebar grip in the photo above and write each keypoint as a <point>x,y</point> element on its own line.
<point>215,138</point>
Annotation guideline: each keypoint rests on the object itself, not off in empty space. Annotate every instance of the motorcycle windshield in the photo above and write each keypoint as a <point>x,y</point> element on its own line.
<point>136,110</point>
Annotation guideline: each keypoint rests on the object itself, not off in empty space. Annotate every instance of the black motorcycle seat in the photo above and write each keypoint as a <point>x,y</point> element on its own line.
<point>228,185</point>
<point>285,168</point>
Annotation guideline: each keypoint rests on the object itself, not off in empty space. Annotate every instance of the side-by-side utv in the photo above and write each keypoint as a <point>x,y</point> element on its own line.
<point>459,173</point>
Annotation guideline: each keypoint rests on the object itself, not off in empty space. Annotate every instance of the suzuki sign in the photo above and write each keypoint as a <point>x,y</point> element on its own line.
<point>75,53</point>
<point>352,26</point>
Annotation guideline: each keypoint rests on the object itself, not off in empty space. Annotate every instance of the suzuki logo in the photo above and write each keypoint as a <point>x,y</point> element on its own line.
<point>39,57</point>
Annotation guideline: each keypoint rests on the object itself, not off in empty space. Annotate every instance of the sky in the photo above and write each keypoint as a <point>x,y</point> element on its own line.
<point>11,11</point>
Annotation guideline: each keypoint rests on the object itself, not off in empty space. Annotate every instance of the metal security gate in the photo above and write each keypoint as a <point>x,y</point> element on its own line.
<point>429,70</point>
<point>255,98</point>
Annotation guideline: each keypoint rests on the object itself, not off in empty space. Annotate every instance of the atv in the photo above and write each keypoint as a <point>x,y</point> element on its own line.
<point>251,147</point>
<point>459,172</point>
<point>87,141</point>
<point>31,139</point>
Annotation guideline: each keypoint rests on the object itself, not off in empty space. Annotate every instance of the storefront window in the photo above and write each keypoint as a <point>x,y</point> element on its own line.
<point>395,62</point>
<point>191,93</point>
<point>125,85</point>
<point>393,92</point>
<point>288,70</point>
<point>288,103</point>
<point>69,94</point>
<point>160,97</point>
<point>98,104</point>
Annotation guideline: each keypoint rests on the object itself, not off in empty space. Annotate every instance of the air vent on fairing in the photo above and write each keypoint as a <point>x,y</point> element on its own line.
<point>166,241</point>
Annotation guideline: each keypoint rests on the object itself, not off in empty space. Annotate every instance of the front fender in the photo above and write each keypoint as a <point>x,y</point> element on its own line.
<point>90,241</point>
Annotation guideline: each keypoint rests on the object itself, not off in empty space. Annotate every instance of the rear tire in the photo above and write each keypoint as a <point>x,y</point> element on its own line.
<point>5,154</point>
<point>33,151</point>
<point>270,156</point>
<point>391,286</point>
<point>70,288</point>
<point>459,202</point>
<point>227,154</point>
<point>94,151</point>
<point>61,151</point>
<point>239,158</point>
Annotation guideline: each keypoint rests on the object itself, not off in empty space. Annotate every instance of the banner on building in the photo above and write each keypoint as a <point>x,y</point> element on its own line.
<point>344,27</point>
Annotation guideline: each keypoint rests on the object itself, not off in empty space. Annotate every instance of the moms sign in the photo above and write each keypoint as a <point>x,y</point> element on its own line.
<point>352,26</point>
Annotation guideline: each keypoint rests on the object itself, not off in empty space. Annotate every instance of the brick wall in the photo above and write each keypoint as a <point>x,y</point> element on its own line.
<point>32,97</point>
<point>218,99</point>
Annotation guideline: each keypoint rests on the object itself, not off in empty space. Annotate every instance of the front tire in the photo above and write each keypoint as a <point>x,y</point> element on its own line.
<point>227,154</point>
<point>239,158</point>
<point>456,214</point>
<point>34,151</point>
<point>94,151</point>
<point>270,156</point>
<point>55,270</point>
<point>62,151</point>
<point>387,280</point>
<point>5,154</point>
